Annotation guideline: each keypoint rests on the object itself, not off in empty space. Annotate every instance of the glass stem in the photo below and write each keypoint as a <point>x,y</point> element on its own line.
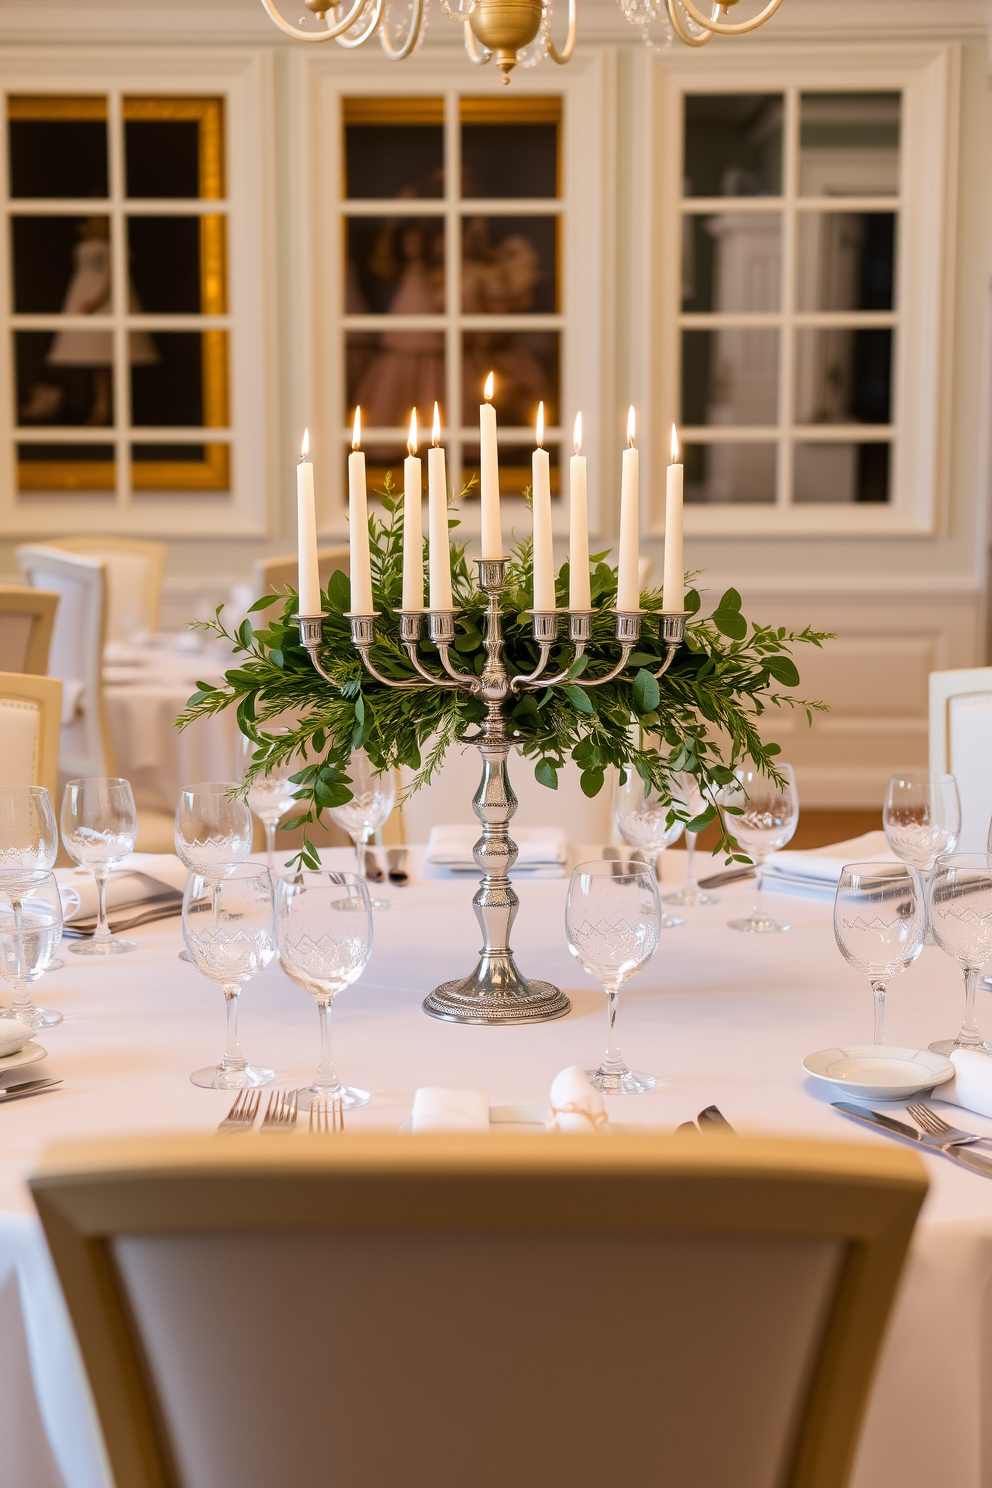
<point>325,1080</point>
<point>758,913</point>
<point>102,931</point>
<point>233,1057</point>
<point>878,993</point>
<point>690,860</point>
<point>969,1028</point>
<point>270,844</point>
<point>360,845</point>
<point>613,1060</point>
<point>21,1003</point>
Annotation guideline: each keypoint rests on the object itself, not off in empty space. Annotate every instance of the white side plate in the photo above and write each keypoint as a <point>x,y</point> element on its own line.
<point>30,1054</point>
<point>879,1072</point>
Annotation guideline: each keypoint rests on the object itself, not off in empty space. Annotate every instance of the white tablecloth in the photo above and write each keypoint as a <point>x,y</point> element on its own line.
<point>144,689</point>
<point>718,1017</point>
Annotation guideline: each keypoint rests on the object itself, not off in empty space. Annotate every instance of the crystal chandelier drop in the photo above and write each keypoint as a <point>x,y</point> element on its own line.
<point>510,31</point>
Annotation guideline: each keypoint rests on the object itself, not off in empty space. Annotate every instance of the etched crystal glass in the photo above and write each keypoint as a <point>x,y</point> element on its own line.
<point>373,798</point>
<point>880,922</point>
<point>643,819</point>
<point>271,794</point>
<point>213,830</point>
<point>29,835</point>
<point>961,921</point>
<point>922,820</point>
<point>99,823</point>
<point>763,818</point>
<point>690,894</point>
<point>30,930</point>
<point>324,932</point>
<point>612,920</point>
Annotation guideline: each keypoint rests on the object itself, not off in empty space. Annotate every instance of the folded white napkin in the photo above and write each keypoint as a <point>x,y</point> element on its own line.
<point>538,847</point>
<point>815,873</point>
<point>972,1083</point>
<point>13,1036</point>
<point>140,877</point>
<point>436,1109</point>
<point>576,1106</point>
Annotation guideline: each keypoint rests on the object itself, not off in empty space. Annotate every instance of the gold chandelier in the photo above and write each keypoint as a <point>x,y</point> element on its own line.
<point>505,28</point>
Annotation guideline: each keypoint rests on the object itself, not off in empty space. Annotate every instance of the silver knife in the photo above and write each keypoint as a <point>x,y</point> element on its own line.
<point>958,1154</point>
<point>27,1087</point>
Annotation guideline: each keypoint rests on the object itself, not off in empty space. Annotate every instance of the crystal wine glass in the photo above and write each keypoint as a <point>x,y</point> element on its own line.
<point>961,921</point>
<point>922,819</point>
<point>30,930</point>
<point>213,830</point>
<point>642,816</point>
<point>98,829</point>
<point>612,920</point>
<point>768,816</point>
<point>324,932</point>
<point>373,798</point>
<point>29,837</point>
<point>880,921</point>
<point>228,930</point>
<point>271,794</point>
<point>690,894</point>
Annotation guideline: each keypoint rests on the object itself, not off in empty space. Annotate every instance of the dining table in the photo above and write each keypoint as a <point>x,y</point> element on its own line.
<point>720,1018</point>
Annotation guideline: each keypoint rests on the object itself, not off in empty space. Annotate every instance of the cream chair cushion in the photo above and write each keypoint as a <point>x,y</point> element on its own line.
<point>20,741</point>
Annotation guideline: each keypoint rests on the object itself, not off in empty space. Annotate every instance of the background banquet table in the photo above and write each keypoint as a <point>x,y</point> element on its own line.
<point>718,1017</point>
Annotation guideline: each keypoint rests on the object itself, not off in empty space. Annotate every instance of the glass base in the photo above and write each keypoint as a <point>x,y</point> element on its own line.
<point>631,1082</point>
<point>56,964</point>
<point>758,925</point>
<point>36,1018</point>
<point>690,896</point>
<point>381,903</point>
<point>215,1077</point>
<point>185,956</point>
<point>111,947</point>
<point>349,1097</point>
<point>947,1047</point>
<point>669,922</point>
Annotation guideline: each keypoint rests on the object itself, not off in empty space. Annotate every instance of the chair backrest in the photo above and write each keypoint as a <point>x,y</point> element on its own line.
<point>26,620</point>
<point>277,573</point>
<point>134,580</point>
<point>30,714</point>
<point>961,745</point>
<point>455,1310</point>
<point>76,653</point>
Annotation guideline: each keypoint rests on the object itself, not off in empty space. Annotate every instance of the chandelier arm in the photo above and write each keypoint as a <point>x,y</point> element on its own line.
<point>350,42</point>
<point>475,54</point>
<point>730,28</point>
<point>400,54</point>
<point>332,32</point>
<point>563,56</point>
<point>678,26</point>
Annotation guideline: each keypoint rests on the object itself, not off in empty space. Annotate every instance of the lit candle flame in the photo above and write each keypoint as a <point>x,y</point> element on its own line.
<point>675,445</point>
<point>436,435</point>
<point>488,389</point>
<point>631,425</point>
<point>306,444</point>
<point>577,435</point>
<point>411,444</point>
<point>540,425</point>
<point>356,432</point>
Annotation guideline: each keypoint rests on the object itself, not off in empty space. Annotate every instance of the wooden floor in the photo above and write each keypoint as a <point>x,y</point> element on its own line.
<point>819,828</point>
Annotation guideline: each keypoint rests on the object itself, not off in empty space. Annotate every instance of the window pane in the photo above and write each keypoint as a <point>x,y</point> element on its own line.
<point>61,263</point>
<point>840,473</point>
<point>843,376</point>
<point>174,147</point>
<point>58,146</point>
<point>733,144</point>
<point>515,470</point>
<point>181,467</point>
<point>64,377</point>
<point>732,261</point>
<point>394,266</point>
<point>509,265</point>
<point>730,376</point>
<point>164,253</point>
<point>849,144</point>
<point>511,159</point>
<point>390,372</point>
<point>393,147</point>
<point>846,261</point>
<point>179,379</point>
<point>739,473</point>
<point>526,368</point>
<point>66,467</point>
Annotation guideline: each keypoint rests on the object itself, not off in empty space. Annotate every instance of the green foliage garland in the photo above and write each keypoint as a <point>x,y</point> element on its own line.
<point>702,715</point>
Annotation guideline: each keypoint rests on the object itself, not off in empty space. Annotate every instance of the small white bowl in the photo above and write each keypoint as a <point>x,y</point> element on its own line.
<point>13,1036</point>
<point>879,1071</point>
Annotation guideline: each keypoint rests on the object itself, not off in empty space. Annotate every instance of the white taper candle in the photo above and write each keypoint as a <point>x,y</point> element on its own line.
<point>628,588</point>
<point>492,536</point>
<point>413,524</point>
<point>544,554</point>
<point>358,526</point>
<point>306,532</point>
<point>578,526</point>
<point>439,552</point>
<point>674,590</point>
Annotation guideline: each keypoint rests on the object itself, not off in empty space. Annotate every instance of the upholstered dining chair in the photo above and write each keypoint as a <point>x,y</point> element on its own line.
<point>134,580</point>
<point>26,619</point>
<point>466,1312</point>
<point>961,745</point>
<point>276,573</point>
<point>30,717</point>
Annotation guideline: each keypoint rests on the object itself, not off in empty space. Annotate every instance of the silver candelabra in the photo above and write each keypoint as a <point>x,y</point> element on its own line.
<point>496,992</point>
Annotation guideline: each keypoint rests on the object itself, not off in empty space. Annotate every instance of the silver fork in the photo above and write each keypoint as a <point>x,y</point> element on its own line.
<point>241,1116</point>
<point>938,1127</point>
<point>326,1117</point>
<point>280,1113</point>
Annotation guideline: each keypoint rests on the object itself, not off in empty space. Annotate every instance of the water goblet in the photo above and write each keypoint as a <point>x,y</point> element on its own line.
<point>30,930</point>
<point>961,921</point>
<point>213,830</point>
<point>689,795</point>
<point>29,837</point>
<point>612,920</point>
<point>880,921</point>
<point>98,830</point>
<point>642,817</point>
<point>324,933</point>
<point>922,819</point>
<point>228,930</point>
<point>373,798</point>
<point>769,812</point>
<point>270,794</point>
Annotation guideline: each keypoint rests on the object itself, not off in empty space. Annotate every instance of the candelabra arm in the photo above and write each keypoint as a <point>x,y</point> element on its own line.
<point>417,664</point>
<point>407,685</point>
<point>673,634</point>
<point>565,55</point>
<point>625,652</point>
<point>558,678</point>
<point>464,679</point>
<point>530,678</point>
<point>332,32</point>
<point>312,637</point>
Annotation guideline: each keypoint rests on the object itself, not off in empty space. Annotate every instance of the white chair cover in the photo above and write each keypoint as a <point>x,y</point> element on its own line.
<point>961,745</point>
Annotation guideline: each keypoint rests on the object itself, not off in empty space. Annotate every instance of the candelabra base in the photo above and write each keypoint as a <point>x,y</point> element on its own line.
<point>494,994</point>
